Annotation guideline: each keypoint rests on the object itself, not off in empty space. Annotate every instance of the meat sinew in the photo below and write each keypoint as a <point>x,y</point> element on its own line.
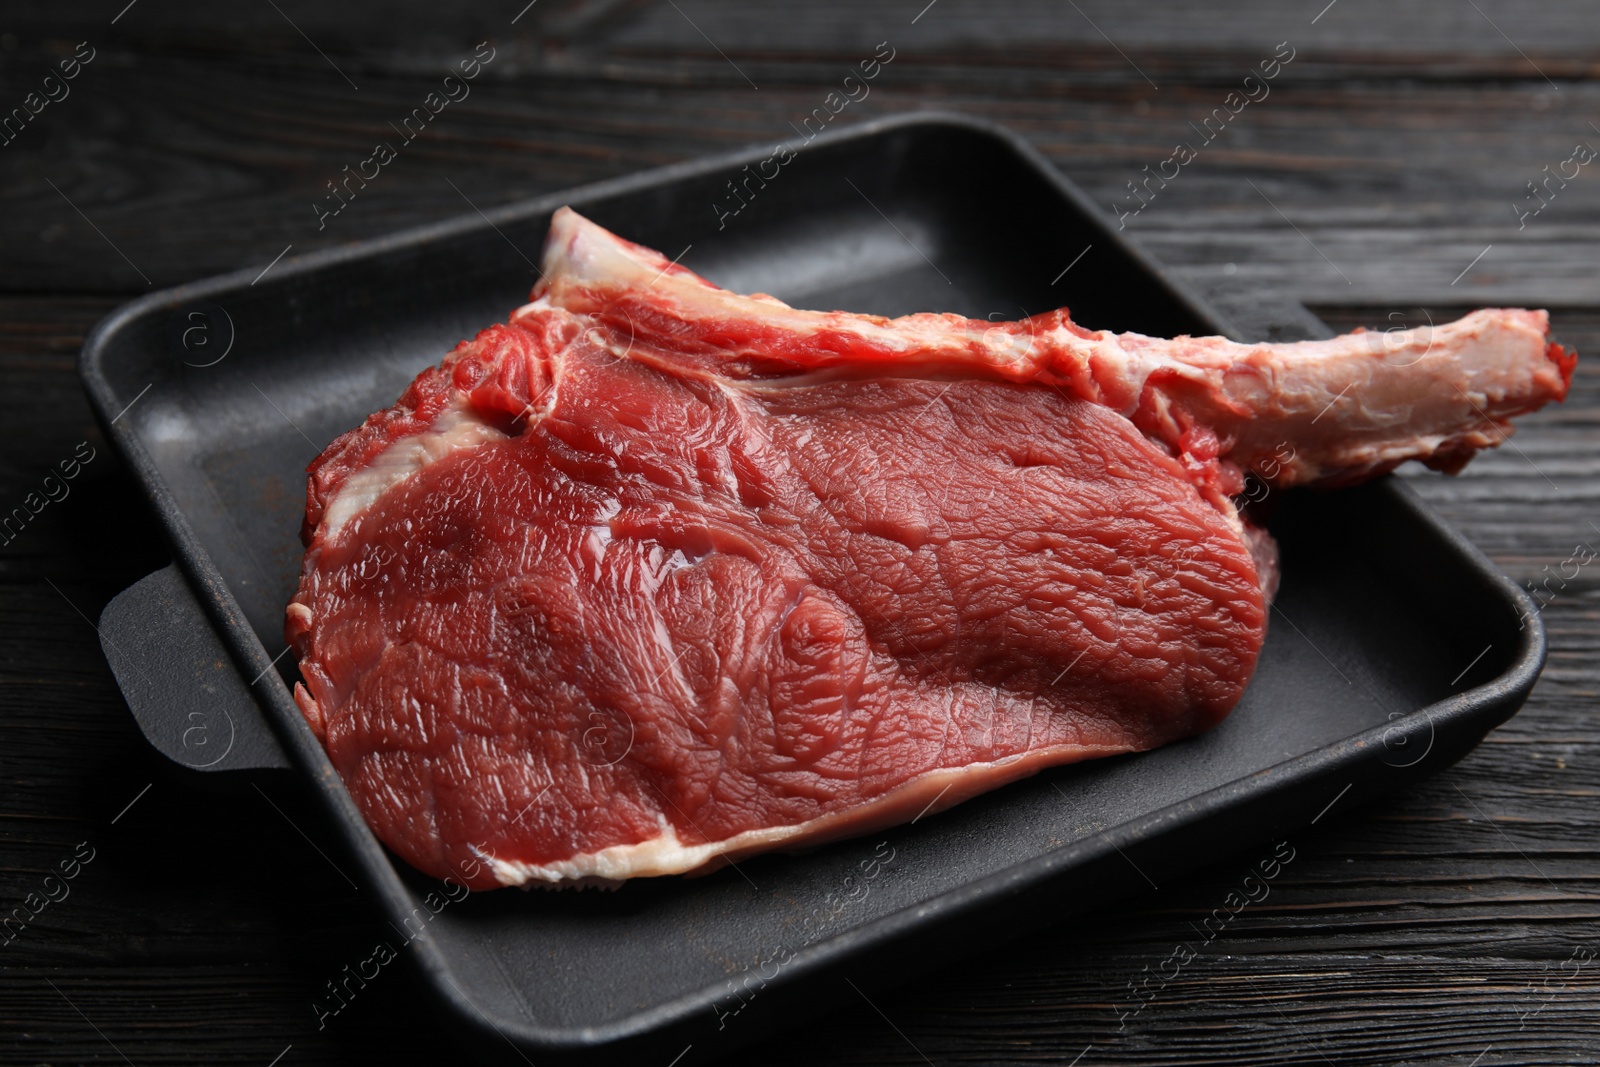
<point>657,575</point>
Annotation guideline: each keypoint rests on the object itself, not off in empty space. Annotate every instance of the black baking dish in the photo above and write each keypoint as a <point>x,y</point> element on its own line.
<point>1394,645</point>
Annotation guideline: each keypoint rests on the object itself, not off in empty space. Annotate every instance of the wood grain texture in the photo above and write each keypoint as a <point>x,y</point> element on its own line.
<point>1431,928</point>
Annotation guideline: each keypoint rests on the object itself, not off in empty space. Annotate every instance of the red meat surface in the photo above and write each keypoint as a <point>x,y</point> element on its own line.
<point>655,575</point>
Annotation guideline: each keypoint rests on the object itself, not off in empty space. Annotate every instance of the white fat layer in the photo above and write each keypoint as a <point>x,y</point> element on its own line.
<point>663,854</point>
<point>457,427</point>
<point>666,854</point>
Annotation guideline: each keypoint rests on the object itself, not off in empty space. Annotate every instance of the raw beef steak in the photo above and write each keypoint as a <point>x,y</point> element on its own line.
<point>655,575</point>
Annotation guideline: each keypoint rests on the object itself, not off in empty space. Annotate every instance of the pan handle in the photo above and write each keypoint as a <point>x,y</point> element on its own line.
<point>180,682</point>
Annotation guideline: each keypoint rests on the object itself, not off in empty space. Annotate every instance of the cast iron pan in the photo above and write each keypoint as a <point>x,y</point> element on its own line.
<point>1393,648</point>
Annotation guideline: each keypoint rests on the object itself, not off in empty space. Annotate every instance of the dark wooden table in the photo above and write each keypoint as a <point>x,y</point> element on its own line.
<point>1386,173</point>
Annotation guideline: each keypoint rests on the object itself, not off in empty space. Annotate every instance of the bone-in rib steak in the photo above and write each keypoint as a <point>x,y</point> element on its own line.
<point>656,575</point>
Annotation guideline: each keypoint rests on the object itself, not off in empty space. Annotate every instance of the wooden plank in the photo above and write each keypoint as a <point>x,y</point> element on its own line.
<point>1413,31</point>
<point>1393,177</point>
